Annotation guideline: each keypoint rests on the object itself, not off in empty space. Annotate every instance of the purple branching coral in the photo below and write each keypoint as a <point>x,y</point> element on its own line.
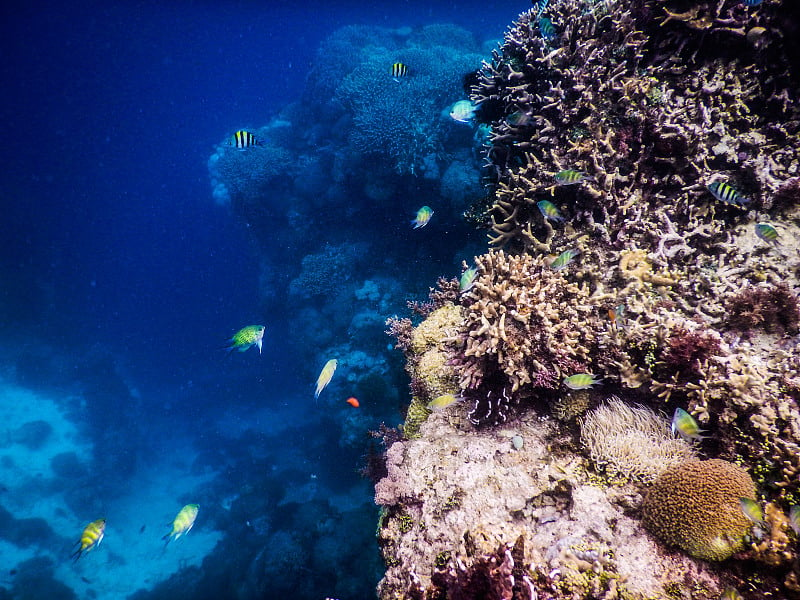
<point>497,576</point>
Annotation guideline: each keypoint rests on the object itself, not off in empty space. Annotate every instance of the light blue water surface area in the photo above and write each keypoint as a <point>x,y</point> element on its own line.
<point>135,241</point>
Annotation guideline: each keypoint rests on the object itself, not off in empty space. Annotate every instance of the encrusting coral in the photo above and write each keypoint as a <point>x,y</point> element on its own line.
<point>696,507</point>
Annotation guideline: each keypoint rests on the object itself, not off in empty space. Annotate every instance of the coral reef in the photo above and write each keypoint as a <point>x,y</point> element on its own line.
<point>695,506</point>
<point>526,328</point>
<point>673,299</point>
<point>460,501</point>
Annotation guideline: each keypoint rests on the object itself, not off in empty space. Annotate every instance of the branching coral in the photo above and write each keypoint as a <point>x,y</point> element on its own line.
<point>526,328</point>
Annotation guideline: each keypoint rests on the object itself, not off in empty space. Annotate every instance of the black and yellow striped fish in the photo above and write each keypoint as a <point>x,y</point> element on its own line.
<point>244,139</point>
<point>725,192</point>
<point>91,537</point>
<point>399,70</point>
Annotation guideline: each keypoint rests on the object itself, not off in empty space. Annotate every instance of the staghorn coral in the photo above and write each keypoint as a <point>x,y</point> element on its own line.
<point>631,442</point>
<point>695,506</point>
<point>609,97</point>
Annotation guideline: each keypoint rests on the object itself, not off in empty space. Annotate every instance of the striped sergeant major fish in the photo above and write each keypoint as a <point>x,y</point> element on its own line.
<point>91,537</point>
<point>244,139</point>
<point>399,70</point>
<point>726,193</point>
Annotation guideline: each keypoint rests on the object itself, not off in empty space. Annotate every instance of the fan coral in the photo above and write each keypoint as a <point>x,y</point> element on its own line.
<point>631,441</point>
<point>695,506</point>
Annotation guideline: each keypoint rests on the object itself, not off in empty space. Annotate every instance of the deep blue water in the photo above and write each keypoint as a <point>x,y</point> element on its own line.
<point>121,277</point>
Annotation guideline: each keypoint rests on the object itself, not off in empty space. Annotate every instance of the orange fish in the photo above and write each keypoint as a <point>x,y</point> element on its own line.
<point>353,402</point>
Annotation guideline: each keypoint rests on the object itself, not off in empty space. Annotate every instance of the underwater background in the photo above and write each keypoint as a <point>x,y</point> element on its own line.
<point>135,241</point>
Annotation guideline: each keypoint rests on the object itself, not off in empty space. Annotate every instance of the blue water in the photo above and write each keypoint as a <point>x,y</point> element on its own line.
<point>122,280</point>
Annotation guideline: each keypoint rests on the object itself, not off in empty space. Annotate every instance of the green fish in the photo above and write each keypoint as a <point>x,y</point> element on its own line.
<point>252,335</point>
<point>725,193</point>
<point>581,381</point>
<point>767,232</point>
<point>443,401</point>
<point>570,177</point>
<point>563,259</point>
<point>752,510</point>
<point>467,279</point>
<point>684,425</point>
<point>424,215</point>
<point>731,594</point>
<point>794,518</point>
<point>549,211</point>
<point>547,29</point>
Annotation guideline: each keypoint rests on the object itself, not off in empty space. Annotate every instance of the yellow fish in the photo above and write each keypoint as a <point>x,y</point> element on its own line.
<point>443,401</point>
<point>183,522</point>
<point>91,537</point>
<point>325,376</point>
<point>252,335</point>
<point>424,215</point>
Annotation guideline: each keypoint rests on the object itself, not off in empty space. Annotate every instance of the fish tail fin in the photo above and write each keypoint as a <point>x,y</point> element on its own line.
<point>167,539</point>
<point>76,555</point>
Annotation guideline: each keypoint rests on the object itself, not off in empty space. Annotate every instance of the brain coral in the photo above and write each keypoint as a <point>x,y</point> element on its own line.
<point>695,506</point>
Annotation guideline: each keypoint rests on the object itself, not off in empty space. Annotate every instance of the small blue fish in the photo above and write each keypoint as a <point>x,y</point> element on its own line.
<point>767,232</point>
<point>424,215</point>
<point>751,3</point>
<point>581,381</point>
<point>684,425</point>
<point>547,30</point>
<point>752,510</point>
<point>563,259</point>
<point>725,193</point>
<point>467,279</point>
<point>570,177</point>
<point>463,111</point>
<point>549,211</point>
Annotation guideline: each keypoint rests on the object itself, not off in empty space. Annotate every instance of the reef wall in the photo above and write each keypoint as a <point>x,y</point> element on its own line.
<point>645,226</point>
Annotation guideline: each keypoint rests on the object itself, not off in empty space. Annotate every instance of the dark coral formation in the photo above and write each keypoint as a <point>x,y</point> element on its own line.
<point>617,97</point>
<point>771,308</point>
